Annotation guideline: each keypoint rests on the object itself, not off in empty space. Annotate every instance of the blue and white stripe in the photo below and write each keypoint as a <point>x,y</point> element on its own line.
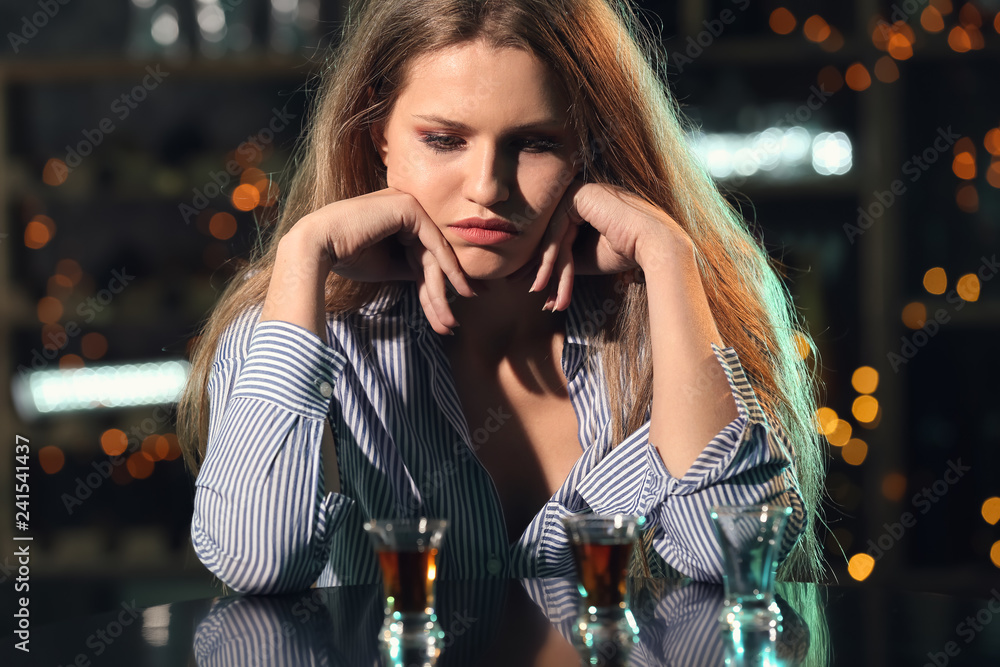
<point>264,523</point>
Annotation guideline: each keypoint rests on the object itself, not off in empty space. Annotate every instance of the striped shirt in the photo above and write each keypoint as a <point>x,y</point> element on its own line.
<point>264,523</point>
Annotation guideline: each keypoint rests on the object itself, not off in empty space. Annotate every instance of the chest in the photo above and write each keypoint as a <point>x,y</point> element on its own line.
<point>525,432</point>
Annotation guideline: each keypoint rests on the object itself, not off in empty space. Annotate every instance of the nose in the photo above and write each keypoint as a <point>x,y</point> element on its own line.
<point>488,178</point>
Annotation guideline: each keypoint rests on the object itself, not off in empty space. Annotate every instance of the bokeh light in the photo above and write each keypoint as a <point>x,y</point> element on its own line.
<point>865,380</point>
<point>854,451</point>
<point>959,40</point>
<point>114,442</point>
<point>915,315</point>
<point>245,197</point>
<point>830,79</point>
<point>840,434</point>
<point>886,70</point>
<point>94,345</point>
<point>860,566</point>
<point>69,268</point>
<point>968,287</point>
<point>222,226</point>
<point>139,466</point>
<point>801,345</point>
<point>782,21</point>
<point>935,280</point>
<point>54,172</point>
<point>857,77</point>
<point>993,174</point>
<point>900,47</point>
<point>49,309</point>
<point>964,165</point>
<point>826,420</point>
<point>816,28</point>
<point>69,362</point>
<point>991,510</point>
<point>992,139</point>
<point>931,19</point>
<point>51,459</point>
<point>894,486</point>
<point>995,553</point>
<point>967,198</point>
<point>865,408</point>
<point>37,234</point>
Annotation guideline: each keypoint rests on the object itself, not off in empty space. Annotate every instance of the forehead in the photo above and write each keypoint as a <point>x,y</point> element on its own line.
<point>475,77</point>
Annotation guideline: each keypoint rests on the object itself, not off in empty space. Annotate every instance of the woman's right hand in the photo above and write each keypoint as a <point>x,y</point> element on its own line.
<point>363,239</point>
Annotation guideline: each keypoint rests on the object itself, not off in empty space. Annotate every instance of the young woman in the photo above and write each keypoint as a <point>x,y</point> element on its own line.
<point>506,285</point>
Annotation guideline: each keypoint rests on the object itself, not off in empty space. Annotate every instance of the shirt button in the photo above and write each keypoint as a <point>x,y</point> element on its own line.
<point>493,565</point>
<point>326,389</point>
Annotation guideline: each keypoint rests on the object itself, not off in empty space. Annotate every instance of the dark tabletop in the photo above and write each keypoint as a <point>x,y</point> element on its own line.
<point>529,622</point>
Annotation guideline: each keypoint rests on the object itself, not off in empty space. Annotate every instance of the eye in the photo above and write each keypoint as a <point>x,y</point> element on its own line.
<point>442,143</point>
<point>537,144</point>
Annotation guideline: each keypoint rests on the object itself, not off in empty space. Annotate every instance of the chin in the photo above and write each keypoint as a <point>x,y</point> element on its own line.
<point>486,265</point>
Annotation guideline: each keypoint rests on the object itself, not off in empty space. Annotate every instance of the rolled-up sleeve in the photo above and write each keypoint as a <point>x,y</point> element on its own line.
<point>748,462</point>
<point>261,522</point>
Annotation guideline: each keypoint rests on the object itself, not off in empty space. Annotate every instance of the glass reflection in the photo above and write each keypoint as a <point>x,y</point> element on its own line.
<point>510,622</point>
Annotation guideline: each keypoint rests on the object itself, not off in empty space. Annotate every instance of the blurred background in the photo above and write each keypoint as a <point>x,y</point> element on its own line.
<point>143,144</point>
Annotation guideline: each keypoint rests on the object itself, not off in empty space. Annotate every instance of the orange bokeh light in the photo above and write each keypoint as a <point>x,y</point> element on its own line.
<point>222,225</point>
<point>967,198</point>
<point>782,21</point>
<point>114,442</point>
<point>50,310</point>
<point>964,166</point>
<point>959,40</point>
<point>94,345</point>
<point>149,447</point>
<point>992,139</point>
<point>900,47</point>
<point>816,28</point>
<point>36,234</point>
<point>69,268</point>
<point>139,466</point>
<point>174,450</point>
<point>857,77</point>
<point>993,174</point>
<point>931,19</point>
<point>886,70</point>
<point>245,197</point>
<point>70,361</point>
<point>830,79</point>
<point>54,172</point>
<point>51,459</point>
<point>59,286</point>
<point>915,315</point>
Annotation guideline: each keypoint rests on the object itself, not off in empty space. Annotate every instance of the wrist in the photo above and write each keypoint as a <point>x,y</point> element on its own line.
<point>666,252</point>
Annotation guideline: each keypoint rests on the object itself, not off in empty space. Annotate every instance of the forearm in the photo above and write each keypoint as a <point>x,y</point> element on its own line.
<point>692,400</point>
<point>297,291</point>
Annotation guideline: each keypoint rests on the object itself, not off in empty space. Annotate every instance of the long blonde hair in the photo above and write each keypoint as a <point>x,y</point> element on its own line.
<point>630,134</point>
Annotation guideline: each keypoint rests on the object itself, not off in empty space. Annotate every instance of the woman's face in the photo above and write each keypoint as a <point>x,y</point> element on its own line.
<point>479,134</point>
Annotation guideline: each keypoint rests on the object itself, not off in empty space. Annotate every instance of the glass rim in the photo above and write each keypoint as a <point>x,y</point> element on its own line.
<point>762,508</point>
<point>622,519</point>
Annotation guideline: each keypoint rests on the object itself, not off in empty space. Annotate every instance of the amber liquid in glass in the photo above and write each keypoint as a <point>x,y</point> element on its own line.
<point>603,569</point>
<point>409,578</point>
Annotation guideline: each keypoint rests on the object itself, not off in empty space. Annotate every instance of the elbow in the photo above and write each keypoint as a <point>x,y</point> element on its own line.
<point>251,568</point>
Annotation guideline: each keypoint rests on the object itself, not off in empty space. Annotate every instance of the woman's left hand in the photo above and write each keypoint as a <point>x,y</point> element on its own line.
<point>619,231</point>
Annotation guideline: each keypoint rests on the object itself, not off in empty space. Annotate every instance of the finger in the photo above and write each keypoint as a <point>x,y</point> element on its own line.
<point>427,304</point>
<point>558,225</point>
<point>437,294</point>
<point>564,285</point>
<point>432,239</point>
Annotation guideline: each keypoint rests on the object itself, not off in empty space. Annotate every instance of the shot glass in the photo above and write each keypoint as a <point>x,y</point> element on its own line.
<point>602,547</point>
<point>407,553</point>
<point>750,537</point>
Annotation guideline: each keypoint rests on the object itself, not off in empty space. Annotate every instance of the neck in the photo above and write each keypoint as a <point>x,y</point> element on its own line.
<point>505,320</point>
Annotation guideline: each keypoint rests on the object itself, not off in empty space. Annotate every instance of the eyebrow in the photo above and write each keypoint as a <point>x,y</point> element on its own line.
<point>462,127</point>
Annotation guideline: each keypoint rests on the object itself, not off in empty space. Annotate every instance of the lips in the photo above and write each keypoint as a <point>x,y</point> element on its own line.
<point>479,231</point>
